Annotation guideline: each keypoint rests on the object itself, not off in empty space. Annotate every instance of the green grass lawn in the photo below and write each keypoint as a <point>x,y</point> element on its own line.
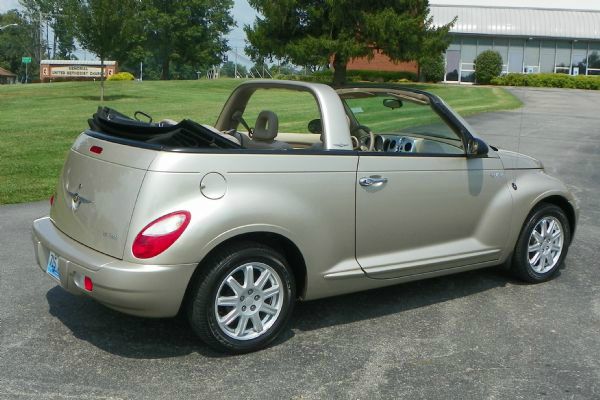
<point>38,123</point>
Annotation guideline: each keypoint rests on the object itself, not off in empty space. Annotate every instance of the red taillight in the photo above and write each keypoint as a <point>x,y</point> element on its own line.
<point>96,149</point>
<point>51,200</point>
<point>160,234</point>
<point>88,284</point>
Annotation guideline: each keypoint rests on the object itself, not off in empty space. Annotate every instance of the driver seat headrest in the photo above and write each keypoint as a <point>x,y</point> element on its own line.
<point>266,127</point>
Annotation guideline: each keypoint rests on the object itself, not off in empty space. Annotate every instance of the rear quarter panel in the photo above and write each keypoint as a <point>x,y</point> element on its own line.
<point>309,199</point>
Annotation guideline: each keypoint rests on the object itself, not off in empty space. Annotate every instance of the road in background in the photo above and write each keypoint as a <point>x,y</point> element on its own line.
<point>470,336</point>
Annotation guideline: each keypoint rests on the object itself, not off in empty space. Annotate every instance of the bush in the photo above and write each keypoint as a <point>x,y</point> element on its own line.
<point>549,80</point>
<point>433,68</point>
<point>121,76</point>
<point>368,76</point>
<point>488,65</point>
<point>326,76</point>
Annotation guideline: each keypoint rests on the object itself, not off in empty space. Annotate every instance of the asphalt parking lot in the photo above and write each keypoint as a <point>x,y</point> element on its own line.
<point>470,336</point>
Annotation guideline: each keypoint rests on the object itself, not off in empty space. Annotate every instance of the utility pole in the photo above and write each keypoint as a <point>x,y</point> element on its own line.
<point>235,74</point>
<point>47,41</point>
<point>41,32</point>
<point>141,71</point>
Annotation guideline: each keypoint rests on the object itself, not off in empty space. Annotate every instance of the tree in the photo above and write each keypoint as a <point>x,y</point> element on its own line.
<point>17,42</point>
<point>103,27</point>
<point>55,16</point>
<point>488,65</point>
<point>315,32</point>
<point>187,31</point>
<point>431,68</point>
<point>229,69</point>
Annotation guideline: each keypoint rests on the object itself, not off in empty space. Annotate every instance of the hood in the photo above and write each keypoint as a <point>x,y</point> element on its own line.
<point>514,160</point>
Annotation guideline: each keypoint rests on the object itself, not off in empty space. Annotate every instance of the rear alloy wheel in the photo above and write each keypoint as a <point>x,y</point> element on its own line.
<point>243,298</point>
<point>542,245</point>
<point>249,301</point>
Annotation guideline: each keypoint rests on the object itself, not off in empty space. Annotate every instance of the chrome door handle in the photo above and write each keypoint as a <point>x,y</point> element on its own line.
<point>372,181</point>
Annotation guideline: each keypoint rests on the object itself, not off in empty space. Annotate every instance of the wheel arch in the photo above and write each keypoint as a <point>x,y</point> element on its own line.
<point>564,204</point>
<point>276,241</point>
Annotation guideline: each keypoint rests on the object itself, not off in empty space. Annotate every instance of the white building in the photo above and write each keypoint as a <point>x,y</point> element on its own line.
<point>530,40</point>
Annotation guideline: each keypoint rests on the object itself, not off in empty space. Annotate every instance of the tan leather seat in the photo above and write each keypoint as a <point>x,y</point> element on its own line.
<point>264,133</point>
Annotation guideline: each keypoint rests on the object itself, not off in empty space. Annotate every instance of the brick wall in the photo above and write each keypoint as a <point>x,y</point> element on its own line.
<point>381,62</point>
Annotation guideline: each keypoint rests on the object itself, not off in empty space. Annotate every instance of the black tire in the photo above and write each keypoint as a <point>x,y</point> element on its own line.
<point>521,267</point>
<point>201,304</point>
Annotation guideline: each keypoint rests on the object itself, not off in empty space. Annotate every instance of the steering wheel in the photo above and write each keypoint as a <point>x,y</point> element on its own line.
<point>364,128</point>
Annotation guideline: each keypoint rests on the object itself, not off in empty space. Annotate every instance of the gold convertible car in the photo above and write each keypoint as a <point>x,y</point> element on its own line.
<point>232,223</point>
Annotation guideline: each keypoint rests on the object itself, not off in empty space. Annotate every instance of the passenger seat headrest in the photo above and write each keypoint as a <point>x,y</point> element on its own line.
<point>266,127</point>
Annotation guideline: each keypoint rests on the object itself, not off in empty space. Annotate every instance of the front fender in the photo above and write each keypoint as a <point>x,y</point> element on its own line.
<point>532,187</point>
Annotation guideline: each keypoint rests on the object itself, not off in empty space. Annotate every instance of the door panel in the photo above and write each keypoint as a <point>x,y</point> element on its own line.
<point>432,213</point>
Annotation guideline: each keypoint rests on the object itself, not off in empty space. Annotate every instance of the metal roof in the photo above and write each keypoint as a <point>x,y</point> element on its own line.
<point>530,22</point>
<point>5,72</point>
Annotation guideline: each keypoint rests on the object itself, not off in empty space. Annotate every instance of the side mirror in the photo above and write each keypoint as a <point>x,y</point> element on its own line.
<point>476,148</point>
<point>315,126</point>
<point>392,103</point>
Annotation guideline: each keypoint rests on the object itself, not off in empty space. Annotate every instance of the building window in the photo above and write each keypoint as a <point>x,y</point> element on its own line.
<point>484,45</point>
<point>579,58</point>
<point>594,59</point>
<point>547,56</point>
<point>515,55</point>
<point>532,57</point>
<point>469,50</point>
<point>501,46</point>
<point>563,57</point>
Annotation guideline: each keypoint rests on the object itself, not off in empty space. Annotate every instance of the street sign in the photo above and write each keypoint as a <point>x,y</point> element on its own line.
<point>26,60</point>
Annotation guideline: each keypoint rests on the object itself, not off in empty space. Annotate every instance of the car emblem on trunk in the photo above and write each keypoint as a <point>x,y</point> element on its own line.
<point>77,199</point>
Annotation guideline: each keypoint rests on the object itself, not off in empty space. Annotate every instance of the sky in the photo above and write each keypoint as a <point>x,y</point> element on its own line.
<point>244,14</point>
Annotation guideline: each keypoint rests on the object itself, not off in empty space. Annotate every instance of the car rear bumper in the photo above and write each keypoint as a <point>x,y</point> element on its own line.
<point>136,289</point>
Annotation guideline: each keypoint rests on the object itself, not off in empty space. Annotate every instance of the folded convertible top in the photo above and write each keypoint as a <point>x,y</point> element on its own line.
<point>185,134</point>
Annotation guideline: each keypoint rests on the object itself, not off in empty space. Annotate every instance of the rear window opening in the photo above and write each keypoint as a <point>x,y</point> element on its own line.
<point>111,125</point>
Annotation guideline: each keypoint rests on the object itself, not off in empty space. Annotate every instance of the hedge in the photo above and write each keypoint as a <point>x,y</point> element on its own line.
<point>121,76</point>
<point>355,76</point>
<point>549,80</point>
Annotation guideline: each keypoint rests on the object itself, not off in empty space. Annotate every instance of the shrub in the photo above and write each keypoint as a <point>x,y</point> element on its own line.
<point>549,80</point>
<point>381,76</point>
<point>326,76</point>
<point>121,76</point>
<point>432,68</point>
<point>488,65</point>
<point>367,76</point>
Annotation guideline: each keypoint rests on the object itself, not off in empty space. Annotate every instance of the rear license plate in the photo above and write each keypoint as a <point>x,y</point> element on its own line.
<point>52,268</point>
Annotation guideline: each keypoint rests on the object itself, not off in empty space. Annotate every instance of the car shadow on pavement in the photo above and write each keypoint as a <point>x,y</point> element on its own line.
<point>124,335</point>
<point>396,299</point>
<point>146,338</point>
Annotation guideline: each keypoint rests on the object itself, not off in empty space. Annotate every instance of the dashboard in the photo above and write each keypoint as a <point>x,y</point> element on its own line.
<point>395,144</point>
<point>391,143</point>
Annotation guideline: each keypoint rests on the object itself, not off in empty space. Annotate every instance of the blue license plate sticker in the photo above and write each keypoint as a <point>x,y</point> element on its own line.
<point>52,268</point>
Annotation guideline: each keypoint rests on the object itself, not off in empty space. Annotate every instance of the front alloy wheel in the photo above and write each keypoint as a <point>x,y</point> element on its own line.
<point>542,245</point>
<point>545,245</point>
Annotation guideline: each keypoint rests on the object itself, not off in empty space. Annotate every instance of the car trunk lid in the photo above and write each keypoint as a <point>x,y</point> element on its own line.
<point>97,192</point>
